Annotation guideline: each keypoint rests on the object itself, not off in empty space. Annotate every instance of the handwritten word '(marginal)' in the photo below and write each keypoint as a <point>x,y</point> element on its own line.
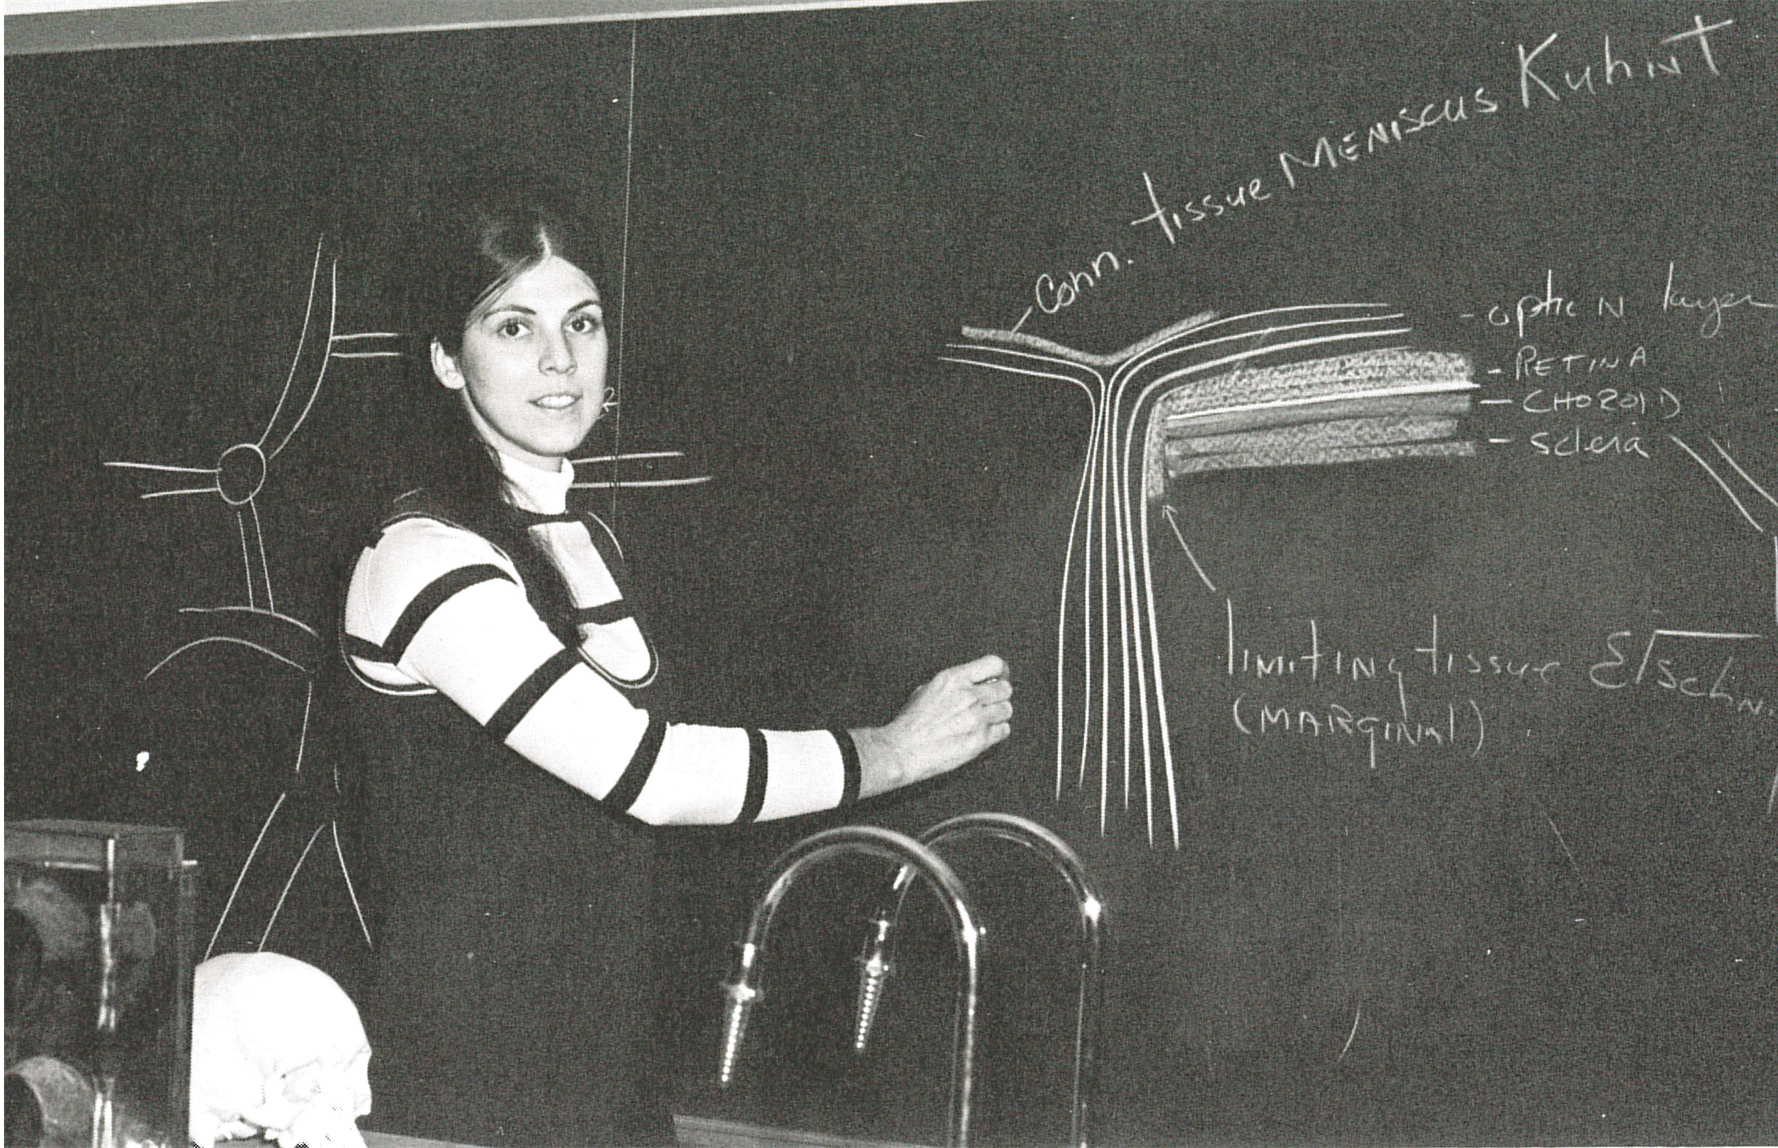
<point>1260,719</point>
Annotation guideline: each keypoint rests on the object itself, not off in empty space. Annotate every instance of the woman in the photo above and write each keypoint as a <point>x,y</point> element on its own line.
<point>509,717</point>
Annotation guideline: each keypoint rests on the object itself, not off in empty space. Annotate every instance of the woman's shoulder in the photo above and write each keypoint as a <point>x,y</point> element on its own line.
<point>416,545</point>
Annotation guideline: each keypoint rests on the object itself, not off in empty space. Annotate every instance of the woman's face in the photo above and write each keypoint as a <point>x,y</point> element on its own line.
<point>532,367</point>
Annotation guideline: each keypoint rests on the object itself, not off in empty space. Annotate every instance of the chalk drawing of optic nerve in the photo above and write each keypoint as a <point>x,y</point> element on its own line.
<point>1307,385</point>
<point>237,477</point>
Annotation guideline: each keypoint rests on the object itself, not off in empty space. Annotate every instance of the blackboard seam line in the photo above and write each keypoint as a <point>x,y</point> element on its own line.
<point>623,259</point>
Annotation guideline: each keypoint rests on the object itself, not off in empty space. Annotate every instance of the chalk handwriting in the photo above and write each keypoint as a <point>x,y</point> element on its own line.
<point>1711,306</point>
<point>1551,305</point>
<point>1055,294</point>
<point>1662,404</point>
<point>1690,659</point>
<point>1199,210</point>
<point>1352,146</point>
<point>1614,68</point>
<point>1529,363</point>
<point>1448,727</point>
<point>1543,78</point>
<point>1577,443</point>
<point>1437,658</point>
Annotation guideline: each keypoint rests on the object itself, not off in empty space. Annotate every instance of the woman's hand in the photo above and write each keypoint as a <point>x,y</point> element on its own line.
<point>948,721</point>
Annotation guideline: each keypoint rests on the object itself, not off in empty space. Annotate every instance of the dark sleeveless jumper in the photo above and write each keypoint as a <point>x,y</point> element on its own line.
<point>514,919</point>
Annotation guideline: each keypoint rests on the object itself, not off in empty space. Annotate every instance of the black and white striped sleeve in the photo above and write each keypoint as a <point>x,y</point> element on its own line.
<point>432,607</point>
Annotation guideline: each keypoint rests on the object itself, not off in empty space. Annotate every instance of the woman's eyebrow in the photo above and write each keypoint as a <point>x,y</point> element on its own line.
<point>522,309</point>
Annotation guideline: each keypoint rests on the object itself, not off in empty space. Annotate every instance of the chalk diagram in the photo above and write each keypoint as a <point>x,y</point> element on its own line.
<point>1741,504</point>
<point>1309,385</point>
<point>1286,386</point>
<point>237,478</point>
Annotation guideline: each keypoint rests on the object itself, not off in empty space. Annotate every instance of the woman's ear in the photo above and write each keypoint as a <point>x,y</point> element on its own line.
<point>445,367</point>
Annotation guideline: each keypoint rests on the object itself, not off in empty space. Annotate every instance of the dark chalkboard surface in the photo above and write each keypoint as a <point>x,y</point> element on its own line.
<point>1399,644</point>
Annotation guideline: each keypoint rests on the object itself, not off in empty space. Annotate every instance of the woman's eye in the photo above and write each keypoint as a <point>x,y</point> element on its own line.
<point>512,328</point>
<point>584,324</point>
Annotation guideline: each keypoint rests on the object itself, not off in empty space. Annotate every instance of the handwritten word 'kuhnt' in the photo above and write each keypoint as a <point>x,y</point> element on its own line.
<point>1614,68</point>
<point>1170,215</point>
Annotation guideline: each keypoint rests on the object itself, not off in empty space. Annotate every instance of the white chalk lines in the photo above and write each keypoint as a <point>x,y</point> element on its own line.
<point>1747,516</point>
<point>237,478</point>
<point>1287,386</point>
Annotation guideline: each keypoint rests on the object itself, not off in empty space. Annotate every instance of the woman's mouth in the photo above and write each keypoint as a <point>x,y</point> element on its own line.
<point>556,402</point>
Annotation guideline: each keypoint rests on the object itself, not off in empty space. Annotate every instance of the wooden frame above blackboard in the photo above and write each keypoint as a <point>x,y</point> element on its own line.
<point>36,26</point>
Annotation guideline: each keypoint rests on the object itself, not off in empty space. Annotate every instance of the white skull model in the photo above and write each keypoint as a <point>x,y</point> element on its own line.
<point>277,1050</point>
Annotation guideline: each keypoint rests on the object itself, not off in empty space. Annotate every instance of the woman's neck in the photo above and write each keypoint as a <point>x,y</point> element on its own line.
<point>534,489</point>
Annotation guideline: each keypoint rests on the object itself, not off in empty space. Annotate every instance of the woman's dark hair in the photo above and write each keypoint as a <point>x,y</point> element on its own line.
<point>479,233</point>
<point>474,236</point>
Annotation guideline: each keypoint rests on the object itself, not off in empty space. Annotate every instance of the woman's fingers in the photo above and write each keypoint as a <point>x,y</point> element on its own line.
<point>990,692</point>
<point>981,669</point>
<point>975,701</point>
<point>949,720</point>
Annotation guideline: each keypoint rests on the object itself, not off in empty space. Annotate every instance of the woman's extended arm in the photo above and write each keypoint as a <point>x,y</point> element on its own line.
<point>433,607</point>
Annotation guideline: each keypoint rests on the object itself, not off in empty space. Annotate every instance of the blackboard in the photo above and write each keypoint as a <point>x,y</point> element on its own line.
<point>1461,825</point>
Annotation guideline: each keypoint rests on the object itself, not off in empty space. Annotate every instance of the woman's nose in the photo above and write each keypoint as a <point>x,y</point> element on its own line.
<point>556,357</point>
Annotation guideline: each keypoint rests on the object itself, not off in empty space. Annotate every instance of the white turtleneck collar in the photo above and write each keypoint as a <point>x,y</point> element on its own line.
<point>536,490</point>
